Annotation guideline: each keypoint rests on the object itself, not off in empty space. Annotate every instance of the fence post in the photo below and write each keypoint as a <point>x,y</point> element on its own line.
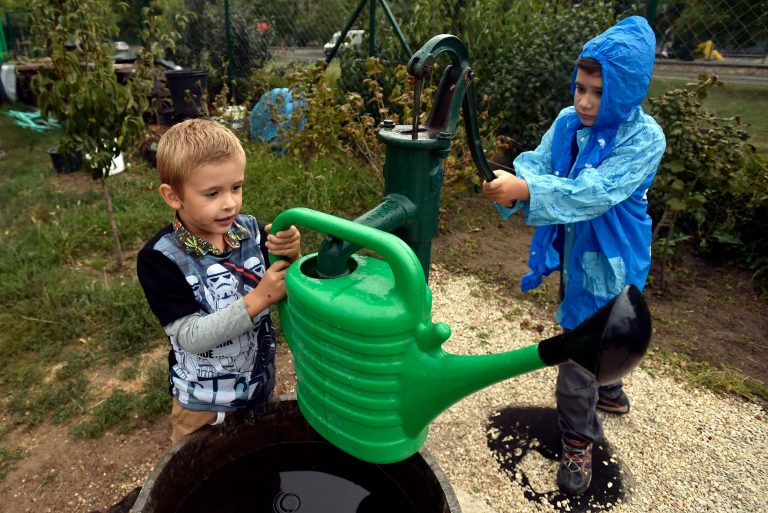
<point>650,14</point>
<point>3,46</point>
<point>372,31</point>
<point>228,35</point>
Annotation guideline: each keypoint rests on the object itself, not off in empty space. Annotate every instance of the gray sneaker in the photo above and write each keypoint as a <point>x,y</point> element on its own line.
<point>575,472</point>
<point>618,406</point>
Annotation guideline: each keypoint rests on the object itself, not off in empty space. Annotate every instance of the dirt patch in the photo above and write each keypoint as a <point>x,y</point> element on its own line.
<point>59,473</point>
<point>712,313</point>
<point>76,182</point>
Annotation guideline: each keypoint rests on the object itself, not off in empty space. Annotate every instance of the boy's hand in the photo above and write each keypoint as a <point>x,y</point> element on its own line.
<point>269,291</point>
<point>506,189</point>
<point>286,243</point>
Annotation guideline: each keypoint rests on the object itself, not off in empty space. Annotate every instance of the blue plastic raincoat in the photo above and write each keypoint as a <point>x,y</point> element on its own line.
<point>591,216</point>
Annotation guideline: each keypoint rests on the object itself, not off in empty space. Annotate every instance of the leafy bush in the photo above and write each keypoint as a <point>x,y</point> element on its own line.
<point>328,125</point>
<point>711,185</point>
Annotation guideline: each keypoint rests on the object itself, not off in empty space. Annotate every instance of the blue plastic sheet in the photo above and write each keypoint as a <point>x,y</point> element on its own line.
<point>273,115</point>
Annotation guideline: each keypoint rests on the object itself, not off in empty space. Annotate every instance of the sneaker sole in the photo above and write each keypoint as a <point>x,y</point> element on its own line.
<point>618,410</point>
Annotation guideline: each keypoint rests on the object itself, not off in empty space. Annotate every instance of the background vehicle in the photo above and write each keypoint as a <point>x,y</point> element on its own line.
<point>354,38</point>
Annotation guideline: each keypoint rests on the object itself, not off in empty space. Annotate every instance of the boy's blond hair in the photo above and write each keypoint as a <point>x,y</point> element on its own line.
<point>191,144</point>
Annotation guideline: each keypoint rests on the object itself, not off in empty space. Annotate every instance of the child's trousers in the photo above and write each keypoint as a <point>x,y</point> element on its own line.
<point>577,393</point>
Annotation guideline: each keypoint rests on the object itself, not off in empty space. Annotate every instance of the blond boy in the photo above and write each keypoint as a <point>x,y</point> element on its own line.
<point>208,280</point>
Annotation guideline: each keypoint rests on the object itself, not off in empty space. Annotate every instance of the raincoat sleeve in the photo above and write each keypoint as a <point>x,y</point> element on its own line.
<point>558,200</point>
<point>531,163</point>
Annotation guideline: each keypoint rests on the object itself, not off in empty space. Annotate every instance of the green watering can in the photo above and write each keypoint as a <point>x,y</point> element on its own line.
<point>371,372</point>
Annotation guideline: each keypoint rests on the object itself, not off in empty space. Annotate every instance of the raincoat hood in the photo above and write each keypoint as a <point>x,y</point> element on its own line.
<point>626,53</point>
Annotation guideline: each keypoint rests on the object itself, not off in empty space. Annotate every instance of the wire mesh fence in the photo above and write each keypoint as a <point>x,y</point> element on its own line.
<point>713,29</point>
<point>242,35</point>
<point>15,30</point>
<point>239,39</point>
<point>248,34</point>
<point>301,29</point>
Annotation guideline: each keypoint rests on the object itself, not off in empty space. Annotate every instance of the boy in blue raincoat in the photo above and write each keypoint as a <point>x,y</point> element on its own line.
<point>584,188</point>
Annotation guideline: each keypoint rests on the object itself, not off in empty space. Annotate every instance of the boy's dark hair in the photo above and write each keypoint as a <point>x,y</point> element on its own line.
<point>589,66</point>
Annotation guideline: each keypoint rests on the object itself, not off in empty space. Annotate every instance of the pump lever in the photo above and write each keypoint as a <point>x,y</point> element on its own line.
<point>469,113</point>
<point>455,90</point>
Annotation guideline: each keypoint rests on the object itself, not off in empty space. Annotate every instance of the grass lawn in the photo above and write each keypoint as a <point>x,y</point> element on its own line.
<point>748,101</point>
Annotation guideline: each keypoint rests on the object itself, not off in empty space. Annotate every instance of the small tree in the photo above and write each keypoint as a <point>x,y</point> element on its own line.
<point>99,115</point>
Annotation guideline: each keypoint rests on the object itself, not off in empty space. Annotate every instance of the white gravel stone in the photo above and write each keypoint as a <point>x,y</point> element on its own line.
<point>680,449</point>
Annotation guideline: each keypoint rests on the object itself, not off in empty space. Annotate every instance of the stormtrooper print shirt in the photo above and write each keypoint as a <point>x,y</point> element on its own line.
<point>183,275</point>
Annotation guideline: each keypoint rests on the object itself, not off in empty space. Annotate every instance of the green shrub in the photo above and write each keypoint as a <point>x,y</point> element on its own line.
<point>328,125</point>
<point>204,44</point>
<point>711,185</point>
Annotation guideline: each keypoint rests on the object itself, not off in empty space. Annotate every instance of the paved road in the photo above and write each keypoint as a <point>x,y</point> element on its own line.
<point>744,71</point>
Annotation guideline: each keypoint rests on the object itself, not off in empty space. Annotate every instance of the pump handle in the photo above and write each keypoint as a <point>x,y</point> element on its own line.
<point>456,89</point>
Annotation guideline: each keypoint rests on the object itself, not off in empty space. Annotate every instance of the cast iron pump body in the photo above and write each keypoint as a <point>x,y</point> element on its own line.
<point>413,167</point>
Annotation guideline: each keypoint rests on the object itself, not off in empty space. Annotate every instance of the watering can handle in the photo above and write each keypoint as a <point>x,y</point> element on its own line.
<point>406,268</point>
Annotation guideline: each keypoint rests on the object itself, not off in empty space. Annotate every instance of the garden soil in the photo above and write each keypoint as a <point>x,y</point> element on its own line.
<point>499,447</point>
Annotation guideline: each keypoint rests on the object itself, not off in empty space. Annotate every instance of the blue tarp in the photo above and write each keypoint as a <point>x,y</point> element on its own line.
<point>273,114</point>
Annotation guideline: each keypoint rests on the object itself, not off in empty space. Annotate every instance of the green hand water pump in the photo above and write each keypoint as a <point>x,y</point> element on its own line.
<point>413,166</point>
<point>370,367</point>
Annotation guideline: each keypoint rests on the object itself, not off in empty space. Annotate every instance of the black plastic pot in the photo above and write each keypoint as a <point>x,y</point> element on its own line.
<point>66,163</point>
<point>150,155</point>
<point>188,88</point>
<point>274,462</point>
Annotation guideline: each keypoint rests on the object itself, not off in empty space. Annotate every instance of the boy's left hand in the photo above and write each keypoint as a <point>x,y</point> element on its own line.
<point>286,243</point>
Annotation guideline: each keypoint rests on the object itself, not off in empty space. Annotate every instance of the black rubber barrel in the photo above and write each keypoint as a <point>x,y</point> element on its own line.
<point>187,88</point>
<point>272,461</point>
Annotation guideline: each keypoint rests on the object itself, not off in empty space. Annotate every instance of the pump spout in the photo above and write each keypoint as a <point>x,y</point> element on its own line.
<point>394,212</point>
<point>608,345</point>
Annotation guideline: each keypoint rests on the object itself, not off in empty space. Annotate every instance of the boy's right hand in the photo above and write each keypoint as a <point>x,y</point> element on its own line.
<point>506,189</point>
<point>270,290</point>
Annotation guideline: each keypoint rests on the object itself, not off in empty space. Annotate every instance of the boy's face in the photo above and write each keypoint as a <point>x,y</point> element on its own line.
<point>586,99</point>
<point>210,199</point>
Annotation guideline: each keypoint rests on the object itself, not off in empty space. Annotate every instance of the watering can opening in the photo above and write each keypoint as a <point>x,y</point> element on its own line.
<point>610,343</point>
<point>309,268</point>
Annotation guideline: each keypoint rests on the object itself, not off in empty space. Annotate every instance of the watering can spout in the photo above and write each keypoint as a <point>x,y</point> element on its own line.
<point>608,345</point>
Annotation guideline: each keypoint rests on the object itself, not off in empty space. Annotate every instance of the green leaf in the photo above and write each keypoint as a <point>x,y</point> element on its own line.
<point>676,204</point>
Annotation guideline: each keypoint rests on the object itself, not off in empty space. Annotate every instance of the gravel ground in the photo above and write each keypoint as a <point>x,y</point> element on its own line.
<point>680,449</point>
